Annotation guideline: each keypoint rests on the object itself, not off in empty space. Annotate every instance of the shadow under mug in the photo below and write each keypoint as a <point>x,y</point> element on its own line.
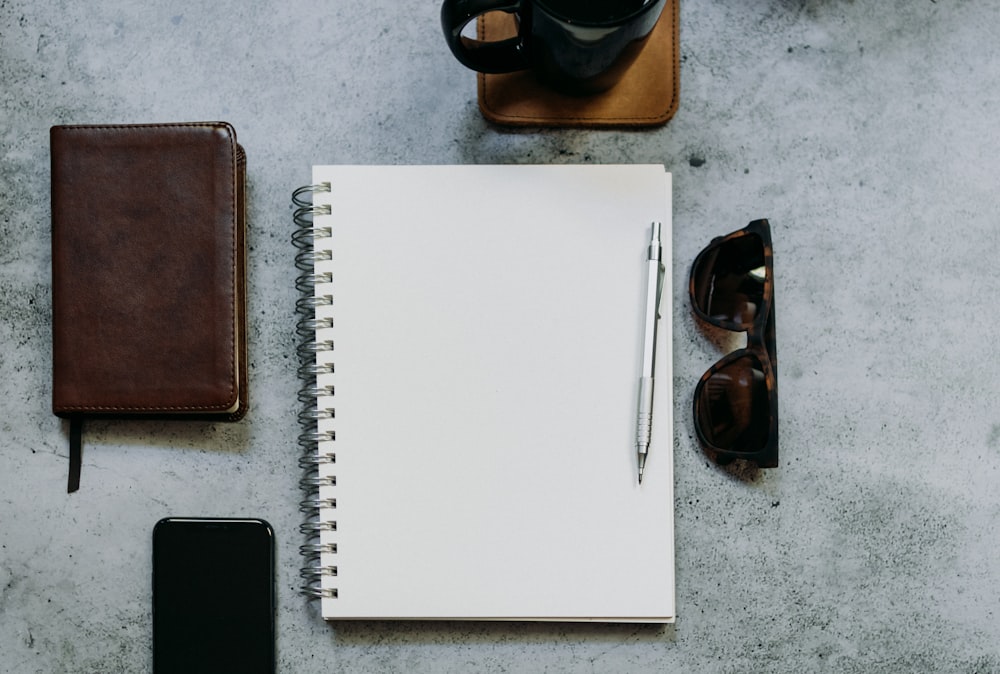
<point>577,47</point>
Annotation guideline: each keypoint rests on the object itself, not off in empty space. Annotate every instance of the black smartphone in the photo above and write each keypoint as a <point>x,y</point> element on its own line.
<point>213,596</point>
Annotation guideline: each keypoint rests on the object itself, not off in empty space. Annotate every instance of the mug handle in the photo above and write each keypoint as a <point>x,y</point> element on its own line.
<point>502,56</point>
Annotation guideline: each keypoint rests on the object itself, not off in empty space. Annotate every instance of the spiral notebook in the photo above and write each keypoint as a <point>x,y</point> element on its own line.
<point>471,346</point>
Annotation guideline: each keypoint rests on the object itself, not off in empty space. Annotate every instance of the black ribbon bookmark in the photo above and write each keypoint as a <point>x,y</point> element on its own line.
<point>75,453</point>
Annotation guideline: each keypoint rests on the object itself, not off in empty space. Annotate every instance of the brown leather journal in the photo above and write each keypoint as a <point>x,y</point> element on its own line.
<point>148,274</point>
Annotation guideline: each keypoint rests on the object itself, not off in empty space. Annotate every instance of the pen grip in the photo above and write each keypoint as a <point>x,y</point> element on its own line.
<point>644,420</point>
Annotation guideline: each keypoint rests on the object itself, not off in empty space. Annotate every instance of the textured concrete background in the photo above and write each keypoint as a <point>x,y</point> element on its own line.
<point>866,130</point>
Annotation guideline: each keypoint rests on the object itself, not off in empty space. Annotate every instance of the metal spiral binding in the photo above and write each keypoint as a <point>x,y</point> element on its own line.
<point>310,460</point>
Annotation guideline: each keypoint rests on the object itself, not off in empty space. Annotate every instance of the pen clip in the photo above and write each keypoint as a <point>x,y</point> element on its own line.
<point>659,288</point>
<point>655,242</point>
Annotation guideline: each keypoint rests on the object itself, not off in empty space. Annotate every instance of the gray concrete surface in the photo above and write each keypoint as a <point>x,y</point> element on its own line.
<point>866,131</point>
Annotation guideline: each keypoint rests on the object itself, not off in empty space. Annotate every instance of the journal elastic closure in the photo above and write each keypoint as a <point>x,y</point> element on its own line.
<point>75,453</point>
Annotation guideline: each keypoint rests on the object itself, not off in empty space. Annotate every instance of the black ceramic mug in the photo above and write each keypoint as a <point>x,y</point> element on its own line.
<point>574,46</point>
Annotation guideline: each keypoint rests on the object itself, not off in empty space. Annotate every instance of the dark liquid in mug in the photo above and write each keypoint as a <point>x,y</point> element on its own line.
<point>593,11</point>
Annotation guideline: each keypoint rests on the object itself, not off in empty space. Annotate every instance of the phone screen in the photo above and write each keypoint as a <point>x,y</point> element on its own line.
<point>213,596</point>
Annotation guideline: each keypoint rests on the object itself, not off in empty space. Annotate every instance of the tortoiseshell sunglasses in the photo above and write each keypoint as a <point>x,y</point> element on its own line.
<point>736,401</point>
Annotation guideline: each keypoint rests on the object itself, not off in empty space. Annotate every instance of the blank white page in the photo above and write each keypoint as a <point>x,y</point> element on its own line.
<point>487,330</point>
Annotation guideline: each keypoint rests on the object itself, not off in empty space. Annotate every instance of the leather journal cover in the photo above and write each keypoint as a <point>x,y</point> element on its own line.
<point>148,274</point>
<point>647,96</point>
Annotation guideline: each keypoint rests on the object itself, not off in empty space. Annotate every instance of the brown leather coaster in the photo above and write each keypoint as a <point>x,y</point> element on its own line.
<point>646,96</point>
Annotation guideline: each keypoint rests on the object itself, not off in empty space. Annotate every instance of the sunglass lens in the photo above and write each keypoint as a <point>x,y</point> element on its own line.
<point>733,408</point>
<point>729,280</point>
